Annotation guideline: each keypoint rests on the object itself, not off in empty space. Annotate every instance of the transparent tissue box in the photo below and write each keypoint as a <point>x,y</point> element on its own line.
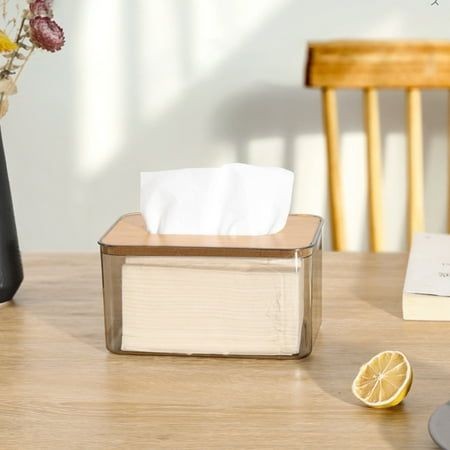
<point>254,296</point>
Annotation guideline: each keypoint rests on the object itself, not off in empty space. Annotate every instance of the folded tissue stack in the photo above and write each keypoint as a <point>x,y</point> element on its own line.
<point>213,265</point>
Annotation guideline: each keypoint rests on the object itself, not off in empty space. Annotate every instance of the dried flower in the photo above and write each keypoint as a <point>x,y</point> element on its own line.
<point>41,8</point>
<point>45,33</point>
<point>4,103</point>
<point>8,87</point>
<point>6,44</point>
<point>36,29</point>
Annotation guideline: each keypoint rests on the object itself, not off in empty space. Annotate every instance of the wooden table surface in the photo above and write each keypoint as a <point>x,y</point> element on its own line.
<point>60,388</point>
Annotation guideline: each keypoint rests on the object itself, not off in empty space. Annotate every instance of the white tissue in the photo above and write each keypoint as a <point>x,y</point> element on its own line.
<point>236,199</point>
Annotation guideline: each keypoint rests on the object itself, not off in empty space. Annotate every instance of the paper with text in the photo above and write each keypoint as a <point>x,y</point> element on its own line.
<point>429,265</point>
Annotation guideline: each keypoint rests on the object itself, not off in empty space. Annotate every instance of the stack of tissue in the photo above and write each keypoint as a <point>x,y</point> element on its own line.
<point>210,305</point>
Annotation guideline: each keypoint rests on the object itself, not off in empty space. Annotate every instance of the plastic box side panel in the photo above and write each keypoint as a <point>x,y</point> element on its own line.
<point>112,300</point>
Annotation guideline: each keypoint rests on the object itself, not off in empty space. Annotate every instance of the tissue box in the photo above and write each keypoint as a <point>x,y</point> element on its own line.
<point>212,295</point>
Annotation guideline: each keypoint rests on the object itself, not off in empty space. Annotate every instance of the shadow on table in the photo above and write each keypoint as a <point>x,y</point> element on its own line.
<point>383,288</point>
<point>364,319</point>
<point>66,297</point>
<point>333,369</point>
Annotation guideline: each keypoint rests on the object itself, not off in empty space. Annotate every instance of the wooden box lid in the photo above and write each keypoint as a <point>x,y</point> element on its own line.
<point>129,237</point>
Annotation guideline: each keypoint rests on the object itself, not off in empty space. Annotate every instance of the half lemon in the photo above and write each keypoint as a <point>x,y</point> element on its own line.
<point>384,381</point>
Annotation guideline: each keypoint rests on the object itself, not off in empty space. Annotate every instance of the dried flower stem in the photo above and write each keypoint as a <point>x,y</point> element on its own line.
<point>6,71</point>
<point>4,9</point>
<point>23,64</point>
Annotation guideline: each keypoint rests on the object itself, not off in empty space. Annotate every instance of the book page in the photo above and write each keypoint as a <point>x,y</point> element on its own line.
<point>429,265</point>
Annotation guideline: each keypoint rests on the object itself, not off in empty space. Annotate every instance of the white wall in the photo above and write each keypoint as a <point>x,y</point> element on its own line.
<point>159,84</point>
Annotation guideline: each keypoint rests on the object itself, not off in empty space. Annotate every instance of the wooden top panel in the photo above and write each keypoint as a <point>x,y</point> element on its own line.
<point>129,236</point>
<point>385,64</point>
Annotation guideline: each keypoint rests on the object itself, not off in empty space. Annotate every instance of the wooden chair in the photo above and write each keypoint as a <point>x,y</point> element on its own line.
<point>369,66</point>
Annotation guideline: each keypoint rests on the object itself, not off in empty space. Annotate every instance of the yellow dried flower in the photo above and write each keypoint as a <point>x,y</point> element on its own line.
<point>6,44</point>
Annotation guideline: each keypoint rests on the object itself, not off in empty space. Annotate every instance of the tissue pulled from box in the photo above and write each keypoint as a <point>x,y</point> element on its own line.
<point>236,199</point>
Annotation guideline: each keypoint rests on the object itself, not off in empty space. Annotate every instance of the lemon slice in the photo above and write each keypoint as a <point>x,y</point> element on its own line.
<point>384,381</point>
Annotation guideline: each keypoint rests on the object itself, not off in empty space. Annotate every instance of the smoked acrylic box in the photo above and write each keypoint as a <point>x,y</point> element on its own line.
<point>256,296</point>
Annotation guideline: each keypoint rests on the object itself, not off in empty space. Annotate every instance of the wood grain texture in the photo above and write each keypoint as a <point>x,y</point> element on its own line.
<point>385,64</point>
<point>331,128</point>
<point>416,213</point>
<point>60,388</point>
<point>129,236</point>
<point>372,124</point>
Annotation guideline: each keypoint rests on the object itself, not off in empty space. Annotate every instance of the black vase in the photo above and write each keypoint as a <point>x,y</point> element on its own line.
<point>11,272</point>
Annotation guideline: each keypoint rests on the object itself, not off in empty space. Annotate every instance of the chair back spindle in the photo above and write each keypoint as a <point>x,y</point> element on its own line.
<point>330,119</point>
<point>372,125</point>
<point>370,66</point>
<point>415,162</point>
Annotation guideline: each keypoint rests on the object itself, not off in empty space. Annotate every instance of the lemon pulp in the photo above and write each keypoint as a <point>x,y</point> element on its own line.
<point>384,381</point>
